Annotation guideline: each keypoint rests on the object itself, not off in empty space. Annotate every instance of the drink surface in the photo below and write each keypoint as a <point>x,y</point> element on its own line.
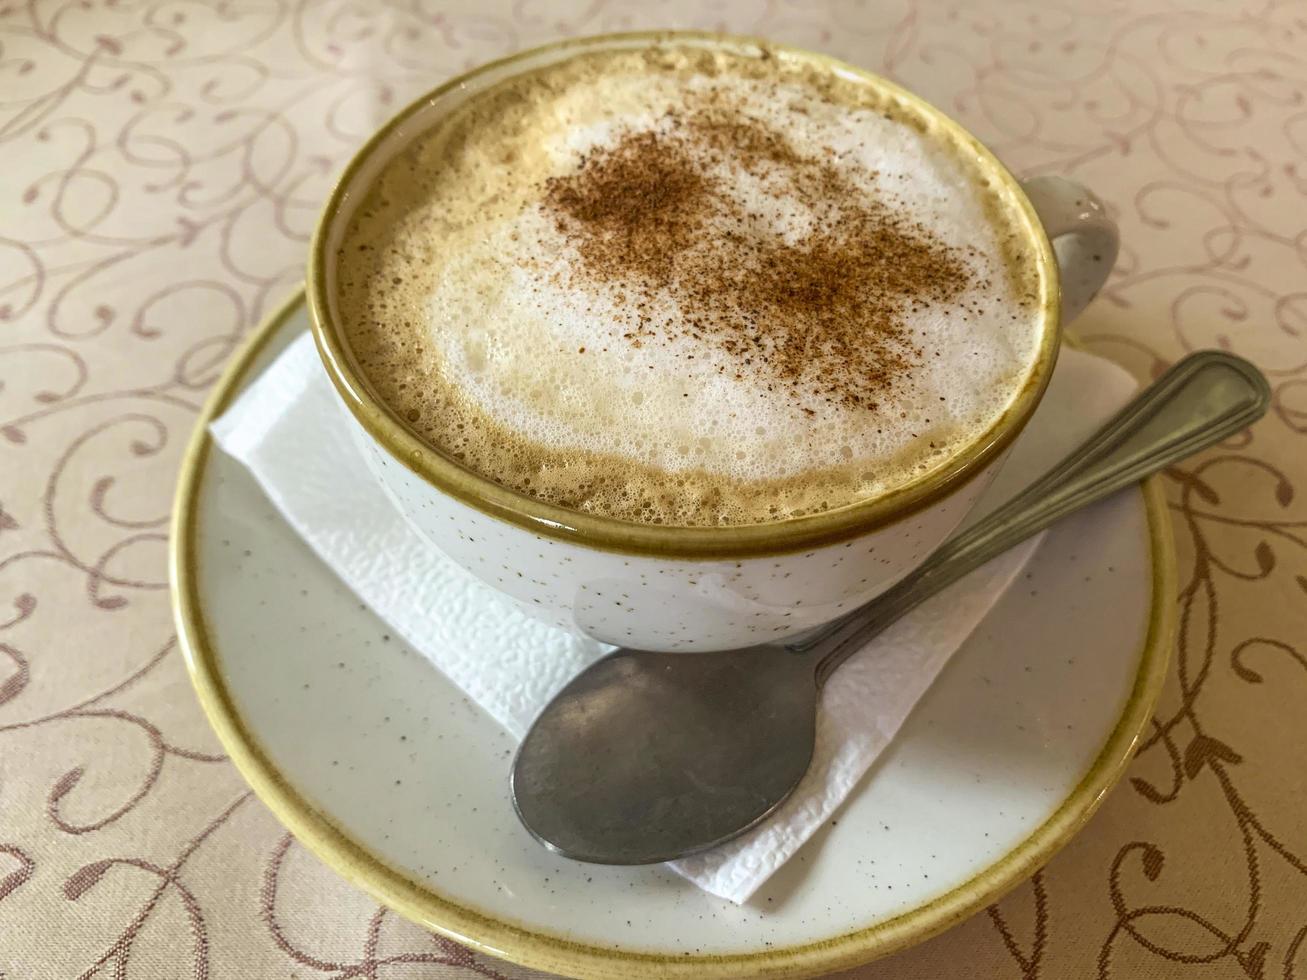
<point>689,287</point>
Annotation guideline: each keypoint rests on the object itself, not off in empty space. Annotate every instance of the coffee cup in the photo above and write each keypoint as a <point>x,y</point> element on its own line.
<point>656,584</point>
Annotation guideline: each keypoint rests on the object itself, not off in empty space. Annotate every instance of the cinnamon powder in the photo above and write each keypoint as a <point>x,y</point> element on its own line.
<point>826,316</point>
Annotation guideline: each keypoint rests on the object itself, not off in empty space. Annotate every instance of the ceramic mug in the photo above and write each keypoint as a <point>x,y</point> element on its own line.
<point>701,588</point>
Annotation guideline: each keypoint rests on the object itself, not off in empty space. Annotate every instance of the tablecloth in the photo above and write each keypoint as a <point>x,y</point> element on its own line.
<point>161,167</point>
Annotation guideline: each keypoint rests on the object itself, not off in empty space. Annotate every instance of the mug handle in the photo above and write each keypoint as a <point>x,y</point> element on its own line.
<point>1085,239</point>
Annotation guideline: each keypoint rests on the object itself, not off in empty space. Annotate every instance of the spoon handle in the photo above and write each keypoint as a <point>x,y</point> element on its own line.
<point>1203,399</point>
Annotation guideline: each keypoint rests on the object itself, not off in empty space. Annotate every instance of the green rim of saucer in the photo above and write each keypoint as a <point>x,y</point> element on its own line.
<point>541,950</point>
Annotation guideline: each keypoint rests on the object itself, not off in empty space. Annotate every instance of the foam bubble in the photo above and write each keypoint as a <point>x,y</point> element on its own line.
<point>479,318</point>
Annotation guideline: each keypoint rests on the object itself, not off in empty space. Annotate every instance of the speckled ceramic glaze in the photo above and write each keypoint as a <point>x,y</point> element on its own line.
<point>665,603</point>
<point>700,588</point>
<point>384,769</point>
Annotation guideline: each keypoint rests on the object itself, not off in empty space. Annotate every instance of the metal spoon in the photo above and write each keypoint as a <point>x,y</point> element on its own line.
<point>647,757</point>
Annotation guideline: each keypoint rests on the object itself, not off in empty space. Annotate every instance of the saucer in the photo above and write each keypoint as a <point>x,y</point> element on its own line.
<point>380,766</point>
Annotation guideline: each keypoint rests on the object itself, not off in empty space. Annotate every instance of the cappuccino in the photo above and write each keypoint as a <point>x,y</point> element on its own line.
<point>688,286</point>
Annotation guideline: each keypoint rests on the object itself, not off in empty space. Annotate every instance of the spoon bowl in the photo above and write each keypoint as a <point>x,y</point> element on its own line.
<point>644,751</point>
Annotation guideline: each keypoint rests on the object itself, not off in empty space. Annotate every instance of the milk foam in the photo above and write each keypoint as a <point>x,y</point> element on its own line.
<point>469,309</point>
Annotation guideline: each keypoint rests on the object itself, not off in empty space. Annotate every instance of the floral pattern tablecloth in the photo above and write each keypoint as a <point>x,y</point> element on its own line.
<point>161,167</point>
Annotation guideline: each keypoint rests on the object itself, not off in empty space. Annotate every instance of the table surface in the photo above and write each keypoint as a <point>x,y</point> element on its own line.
<point>163,166</point>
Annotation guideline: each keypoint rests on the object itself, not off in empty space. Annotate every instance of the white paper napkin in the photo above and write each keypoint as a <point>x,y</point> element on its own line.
<point>292,433</point>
